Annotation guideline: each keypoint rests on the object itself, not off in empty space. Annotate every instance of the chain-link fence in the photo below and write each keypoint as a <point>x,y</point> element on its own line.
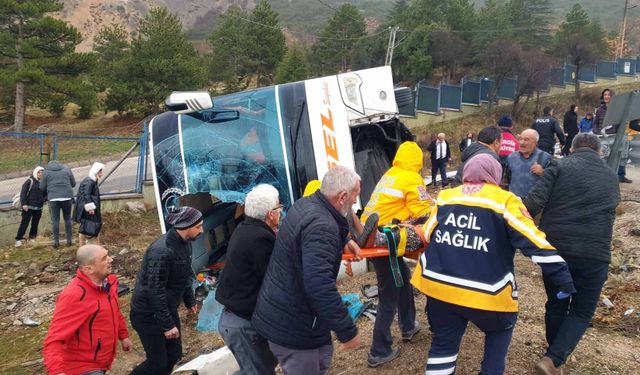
<point>125,159</point>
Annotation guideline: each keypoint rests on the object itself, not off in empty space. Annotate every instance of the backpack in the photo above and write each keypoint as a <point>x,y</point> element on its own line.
<point>15,201</point>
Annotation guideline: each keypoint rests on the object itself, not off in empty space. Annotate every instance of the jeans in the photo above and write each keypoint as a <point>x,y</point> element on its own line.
<point>55,207</point>
<point>303,362</point>
<point>250,350</point>
<point>439,165</point>
<point>162,353</point>
<point>566,320</point>
<point>622,170</point>
<point>390,300</point>
<point>448,323</point>
<point>32,216</point>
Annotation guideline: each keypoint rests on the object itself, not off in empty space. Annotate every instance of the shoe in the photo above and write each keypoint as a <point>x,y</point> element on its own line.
<point>374,361</point>
<point>32,242</point>
<point>56,245</point>
<point>408,336</point>
<point>18,243</point>
<point>367,238</point>
<point>545,366</point>
<point>624,180</point>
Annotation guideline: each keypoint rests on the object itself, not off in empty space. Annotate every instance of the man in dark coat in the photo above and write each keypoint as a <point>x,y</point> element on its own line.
<point>570,125</point>
<point>548,128</point>
<point>440,155</point>
<point>248,254</point>
<point>31,202</point>
<point>58,183</point>
<point>489,142</point>
<point>577,198</point>
<point>299,304</point>
<point>88,202</point>
<point>164,280</point>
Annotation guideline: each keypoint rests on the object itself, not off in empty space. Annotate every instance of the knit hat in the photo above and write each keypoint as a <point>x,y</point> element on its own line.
<point>482,168</point>
<point>184,217</point>
<point>505,121</point>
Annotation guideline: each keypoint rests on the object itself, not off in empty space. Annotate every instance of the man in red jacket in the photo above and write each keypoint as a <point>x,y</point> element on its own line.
<point>87,322</point>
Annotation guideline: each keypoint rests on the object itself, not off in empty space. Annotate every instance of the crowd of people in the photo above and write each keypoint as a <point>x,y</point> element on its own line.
<point>278,289</point>
<point>53,184</point>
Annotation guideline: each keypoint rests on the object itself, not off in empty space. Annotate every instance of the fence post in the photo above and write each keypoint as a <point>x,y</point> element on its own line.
<point>142,158</point>
<point>55,147</point>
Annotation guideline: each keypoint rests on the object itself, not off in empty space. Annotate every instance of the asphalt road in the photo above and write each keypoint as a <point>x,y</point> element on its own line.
<point>123,179</point>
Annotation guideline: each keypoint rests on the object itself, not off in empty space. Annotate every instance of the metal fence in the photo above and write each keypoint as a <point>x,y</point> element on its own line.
<point>451,97</point>
<point>125,159</point>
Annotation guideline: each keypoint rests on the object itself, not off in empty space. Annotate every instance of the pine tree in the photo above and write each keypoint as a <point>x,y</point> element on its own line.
<point>579,41</point>
<point>38,52</point>
<point>335,50</point>
<point>231,61</point>
<point>269,42</point>
<point>294,66</point>
<point>161,60</point>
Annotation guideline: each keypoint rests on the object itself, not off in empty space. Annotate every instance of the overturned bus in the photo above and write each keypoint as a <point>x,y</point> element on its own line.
<point>209,153</point>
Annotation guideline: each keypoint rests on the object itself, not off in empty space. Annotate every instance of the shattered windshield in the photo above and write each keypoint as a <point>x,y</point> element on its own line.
<point>227,159</point>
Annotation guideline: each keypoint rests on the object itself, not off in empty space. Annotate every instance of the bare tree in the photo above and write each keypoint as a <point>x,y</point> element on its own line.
<point>449,51</point>
<point>534,75</point>
<point>500,60</point>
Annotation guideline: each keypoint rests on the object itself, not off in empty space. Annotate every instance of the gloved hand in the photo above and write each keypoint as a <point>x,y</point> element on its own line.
<point>563,295</point>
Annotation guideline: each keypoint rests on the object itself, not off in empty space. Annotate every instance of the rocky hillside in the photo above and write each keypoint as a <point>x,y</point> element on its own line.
<point>89,16</point>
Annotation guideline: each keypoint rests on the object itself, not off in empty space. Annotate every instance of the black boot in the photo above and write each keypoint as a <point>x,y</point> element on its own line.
<point>368,236</point>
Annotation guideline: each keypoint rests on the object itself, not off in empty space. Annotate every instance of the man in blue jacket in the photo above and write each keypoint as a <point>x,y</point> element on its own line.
<point>299,304</point>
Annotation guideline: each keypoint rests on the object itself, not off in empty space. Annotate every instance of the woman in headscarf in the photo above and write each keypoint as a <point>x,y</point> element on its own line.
<point>88,203</point>
<point>467,270</point>
<point>31,202</point>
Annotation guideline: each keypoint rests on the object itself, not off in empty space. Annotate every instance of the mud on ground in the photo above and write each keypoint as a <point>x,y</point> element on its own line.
<point>610,346</point>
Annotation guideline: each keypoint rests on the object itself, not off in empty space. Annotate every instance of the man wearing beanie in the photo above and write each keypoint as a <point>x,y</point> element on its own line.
<point>163,281</point>
<point>509,143</point>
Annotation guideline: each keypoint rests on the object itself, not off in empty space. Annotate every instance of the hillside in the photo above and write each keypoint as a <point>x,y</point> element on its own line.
<point>302,18</point>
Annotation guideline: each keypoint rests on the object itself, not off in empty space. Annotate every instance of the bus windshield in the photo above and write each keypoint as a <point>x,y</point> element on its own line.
<point>227,159</point>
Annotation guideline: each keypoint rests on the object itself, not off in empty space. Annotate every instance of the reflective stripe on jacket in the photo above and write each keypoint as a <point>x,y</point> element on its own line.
<point>473,233</point>
<point>400,193</point>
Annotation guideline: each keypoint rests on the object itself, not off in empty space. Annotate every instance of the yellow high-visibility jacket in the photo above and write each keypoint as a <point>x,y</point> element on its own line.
<point>400,193</point>
<point>473,232</point>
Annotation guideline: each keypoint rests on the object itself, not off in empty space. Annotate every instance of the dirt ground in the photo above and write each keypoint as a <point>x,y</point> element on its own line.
<point>610,346</point>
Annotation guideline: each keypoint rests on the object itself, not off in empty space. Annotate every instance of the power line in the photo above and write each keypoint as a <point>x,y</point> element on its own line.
<point>313,36</point>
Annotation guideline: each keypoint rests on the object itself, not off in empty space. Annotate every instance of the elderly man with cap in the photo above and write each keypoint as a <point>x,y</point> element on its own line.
<point>164,280</point>
<point>87,322</point>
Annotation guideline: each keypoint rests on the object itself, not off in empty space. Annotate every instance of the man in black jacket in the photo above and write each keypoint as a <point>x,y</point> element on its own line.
<point>548,128</point>
<point>577,198</point>
<point>248,254</point>
<point>165,279</point>
<point>489,142</point>
<point>299,304</point>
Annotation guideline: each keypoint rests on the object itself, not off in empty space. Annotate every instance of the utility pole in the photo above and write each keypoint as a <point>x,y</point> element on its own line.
<point>391,45</point>
<point>624,26</point>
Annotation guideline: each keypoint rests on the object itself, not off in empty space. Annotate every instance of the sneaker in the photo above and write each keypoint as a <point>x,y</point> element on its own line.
<point>367,238</point>
<point>624,180</point>
<point>408,336</point>
<point>32,242</point>
<point>18,243</point>
<point>56,245</point>
<point>545,366</point>
<point>375,361</point>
